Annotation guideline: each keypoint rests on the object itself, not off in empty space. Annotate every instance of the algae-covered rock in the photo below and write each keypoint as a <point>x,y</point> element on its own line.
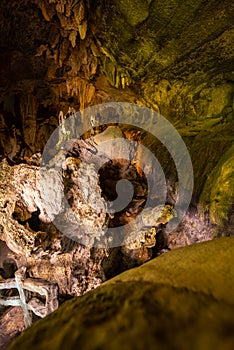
<point>134,11</point>
<point>218,193</point>
<point>180,300</point>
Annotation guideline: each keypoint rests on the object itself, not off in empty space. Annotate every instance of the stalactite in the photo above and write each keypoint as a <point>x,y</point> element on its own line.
<point>90,68</point>
<point>115,74</point>
<point>72,37</point>
<point>83,29</point>
<point>79,12</point>
<point>42,5</point>
<point>81,88</point>
<point>74,61</point>
<point>94,48</point>
<point>8,140</point>
<point>60,6</point>
<point>63,51</point>
<point>28,111</point>
<point>54,37</point>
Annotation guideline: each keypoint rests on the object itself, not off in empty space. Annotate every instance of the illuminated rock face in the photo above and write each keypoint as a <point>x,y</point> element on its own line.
<point>38,228</point>
<point>35,242</point>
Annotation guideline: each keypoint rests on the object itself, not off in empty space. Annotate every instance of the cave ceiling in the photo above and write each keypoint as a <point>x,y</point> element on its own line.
<point>47,45</point>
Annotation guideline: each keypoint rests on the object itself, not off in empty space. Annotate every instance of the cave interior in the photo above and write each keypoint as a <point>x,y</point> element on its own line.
<point>78,76</point>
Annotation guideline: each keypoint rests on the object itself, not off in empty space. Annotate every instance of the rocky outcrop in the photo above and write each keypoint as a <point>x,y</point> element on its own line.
<point>55,218</point>
<point>37,243</point>
<point>12,324</point>
<point>181,300</point>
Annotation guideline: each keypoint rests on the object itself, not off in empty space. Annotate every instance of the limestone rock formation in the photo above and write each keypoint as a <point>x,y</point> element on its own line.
<point>31,238</point>
<point>55,219</point>
<point>12,324</point>
<point>181,300</point>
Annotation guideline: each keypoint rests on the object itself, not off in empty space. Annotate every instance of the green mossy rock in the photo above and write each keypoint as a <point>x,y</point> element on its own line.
<point>218,193</point>
<point>181,300</point>
<point>135,11</point>
<point>172,39</point>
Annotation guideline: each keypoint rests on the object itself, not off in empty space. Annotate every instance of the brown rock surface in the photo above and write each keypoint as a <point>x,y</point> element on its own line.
<point>11,325</point>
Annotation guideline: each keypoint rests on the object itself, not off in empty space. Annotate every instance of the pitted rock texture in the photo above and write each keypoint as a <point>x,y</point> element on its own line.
<point>12,324</point>
<point>36,242</point>
<point>44,213</point>
<point>180,300</point>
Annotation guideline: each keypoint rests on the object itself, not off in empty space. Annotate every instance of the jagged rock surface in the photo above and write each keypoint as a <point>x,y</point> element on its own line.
<point>37,243</point>
<point>180,300</point>
<point>12,324</point>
